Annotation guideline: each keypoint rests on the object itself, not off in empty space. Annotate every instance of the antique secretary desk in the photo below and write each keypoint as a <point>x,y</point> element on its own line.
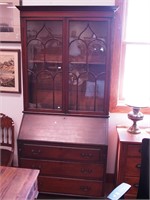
<point>66,54</point>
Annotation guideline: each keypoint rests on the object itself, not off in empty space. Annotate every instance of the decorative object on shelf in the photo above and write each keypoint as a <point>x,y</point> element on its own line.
<point>9,21</point>
<point>10,70</point>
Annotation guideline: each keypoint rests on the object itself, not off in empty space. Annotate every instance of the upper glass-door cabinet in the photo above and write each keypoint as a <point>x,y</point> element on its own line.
<point>66,59</point>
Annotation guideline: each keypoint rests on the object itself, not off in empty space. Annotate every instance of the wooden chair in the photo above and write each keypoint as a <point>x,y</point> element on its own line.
<point>6,140</point>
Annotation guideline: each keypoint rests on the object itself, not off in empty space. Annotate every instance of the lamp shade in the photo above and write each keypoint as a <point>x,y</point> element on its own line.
<point>139,102</point>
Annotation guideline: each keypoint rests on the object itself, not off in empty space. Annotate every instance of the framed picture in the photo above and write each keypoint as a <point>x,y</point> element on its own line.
<point>10,71</point>
<point>9,21</point>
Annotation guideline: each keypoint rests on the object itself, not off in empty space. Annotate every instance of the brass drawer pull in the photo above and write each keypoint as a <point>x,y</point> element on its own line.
<point>85,188</point>
<point>138,166</point>
<point>86,171</point>
<point>35,152</point>
<point>86,155</point>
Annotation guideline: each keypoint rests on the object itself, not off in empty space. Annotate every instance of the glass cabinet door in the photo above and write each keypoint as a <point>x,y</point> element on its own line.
<point>56,47</point>
<point>87,65</point>
<point>44,52</point>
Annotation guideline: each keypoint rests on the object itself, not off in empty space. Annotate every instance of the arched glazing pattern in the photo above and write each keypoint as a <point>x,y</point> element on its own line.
<point>44,51</point>
<point>67,66</point>
<point>87,65</point>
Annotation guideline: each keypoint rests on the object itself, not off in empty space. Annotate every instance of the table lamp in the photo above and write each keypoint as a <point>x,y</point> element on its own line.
<point>136,115</point>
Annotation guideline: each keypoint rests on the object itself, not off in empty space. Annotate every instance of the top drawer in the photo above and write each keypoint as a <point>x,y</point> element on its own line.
<point>62,153</point>
<point>134,150</point>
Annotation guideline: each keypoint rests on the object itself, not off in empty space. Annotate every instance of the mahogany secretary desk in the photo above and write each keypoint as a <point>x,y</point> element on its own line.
<point>66,53</point>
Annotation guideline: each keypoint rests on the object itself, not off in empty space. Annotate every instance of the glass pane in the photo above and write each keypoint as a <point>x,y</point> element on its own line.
<point>138,21</point>
<point>87,65</point>
<point>44,45</point>
<point>137,74</point>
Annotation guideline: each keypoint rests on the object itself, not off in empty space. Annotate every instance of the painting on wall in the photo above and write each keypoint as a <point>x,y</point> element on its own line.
<point>10,71</point>
<point>9,21</point>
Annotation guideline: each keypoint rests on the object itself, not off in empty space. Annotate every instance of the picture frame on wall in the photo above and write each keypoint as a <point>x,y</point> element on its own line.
<point>9,21</point>
<point>10,71</point>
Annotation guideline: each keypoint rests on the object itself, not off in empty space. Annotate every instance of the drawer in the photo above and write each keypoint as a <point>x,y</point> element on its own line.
<point>133,166</point>
<point>70,186</point>
<point>62,153</point>
<point>134,182</point>
<point>65,169</point>
<point>134,150</point>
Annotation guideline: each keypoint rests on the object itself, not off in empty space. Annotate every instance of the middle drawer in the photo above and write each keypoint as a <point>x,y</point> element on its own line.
<point>65,169</point>
<point>133,166</point>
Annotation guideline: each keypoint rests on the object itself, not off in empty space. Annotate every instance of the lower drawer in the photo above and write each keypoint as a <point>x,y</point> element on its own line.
<point>65,169</point>
<point>76,187</point>
<point>134,182</point>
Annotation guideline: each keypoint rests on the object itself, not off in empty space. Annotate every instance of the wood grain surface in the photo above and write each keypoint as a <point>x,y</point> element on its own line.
<point>18,183</point>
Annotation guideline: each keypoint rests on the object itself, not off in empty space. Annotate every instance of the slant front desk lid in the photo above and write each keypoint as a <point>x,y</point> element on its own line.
<point>64,129</point>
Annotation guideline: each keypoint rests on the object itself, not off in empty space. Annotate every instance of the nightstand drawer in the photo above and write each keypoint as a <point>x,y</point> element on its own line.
<point>65,169</point>
<point>133,166</point>
<point>70,186</point>
<point>134,150</point>
<point>134,182</point>
<point>62,153</point>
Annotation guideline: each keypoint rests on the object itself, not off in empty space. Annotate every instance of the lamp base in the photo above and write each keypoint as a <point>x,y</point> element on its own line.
<point>134,129</point>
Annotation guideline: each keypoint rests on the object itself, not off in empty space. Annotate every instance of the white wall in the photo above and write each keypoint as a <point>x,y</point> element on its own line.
<point>11,104</point>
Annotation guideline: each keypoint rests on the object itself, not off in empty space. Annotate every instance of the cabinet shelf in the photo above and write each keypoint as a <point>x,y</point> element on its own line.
<point>60,62</point>
<point>41,61</point>
<point>73,60</point>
